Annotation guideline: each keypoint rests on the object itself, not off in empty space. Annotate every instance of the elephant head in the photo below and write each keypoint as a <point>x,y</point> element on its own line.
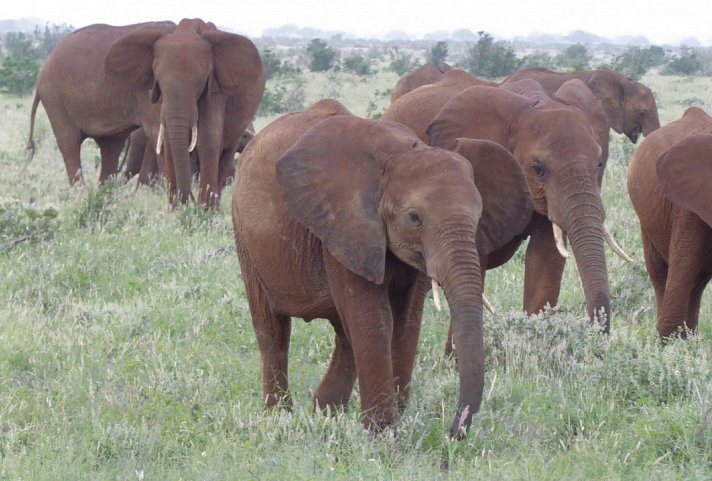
<point>629,106</point>
<point>685,172</point>
<point>181,69</point>
<point>368,188</point>
<point>560,156</point>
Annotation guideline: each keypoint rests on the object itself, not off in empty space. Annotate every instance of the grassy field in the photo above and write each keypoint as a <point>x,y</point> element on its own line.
<point>127,352</point>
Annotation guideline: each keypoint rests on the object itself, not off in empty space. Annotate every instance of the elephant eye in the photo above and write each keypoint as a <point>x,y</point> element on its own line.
<point>538,168</point>
<point>414,217</point>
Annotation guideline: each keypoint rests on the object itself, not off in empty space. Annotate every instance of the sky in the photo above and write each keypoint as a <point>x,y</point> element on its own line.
<point>661,22</point>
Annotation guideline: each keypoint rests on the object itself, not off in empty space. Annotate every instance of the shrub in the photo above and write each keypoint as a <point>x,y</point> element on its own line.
<point>283,97</point>
<point>321,56</point>
<point>437,54</point>
<point>636,61</point>
<point>574,57</point>
<point>401,62</point>
<point>274,65</point>
<point>538,59</point>
<point>18,76</point>
<point>357,64</point>
<point>491,59</point>
<point>686,63</point>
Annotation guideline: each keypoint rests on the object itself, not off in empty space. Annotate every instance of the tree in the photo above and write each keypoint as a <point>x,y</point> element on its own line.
<point>574,57</point>
<point>491,59</point>
<point>321,56</point>
<point>437,54</point>
<point>636,61</point>
<point>686,63</point>
<point>18,75</point>
<point>357,64</point>
<point>401,62</point>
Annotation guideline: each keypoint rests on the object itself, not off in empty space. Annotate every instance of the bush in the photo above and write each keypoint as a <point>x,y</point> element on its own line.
<point>437,54</point>
<point>282,97</point>
<point>18,76</point>
<point>321,56</point>
<point>357,64</point>
<point>574,57</point>
<point>491,59</point>
<point>401,63</point>
<point>686,63</point>
<point>274,65</point>
<point>636,61</point>
<point>538,59</point>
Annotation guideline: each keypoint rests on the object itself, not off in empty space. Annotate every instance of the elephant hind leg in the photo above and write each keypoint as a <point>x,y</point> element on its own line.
<point>111,148</point>
<point>657,270</point>
<point>336,386</point>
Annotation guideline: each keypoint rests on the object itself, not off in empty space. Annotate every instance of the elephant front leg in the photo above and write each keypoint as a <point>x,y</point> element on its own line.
<point>365,312</point>
<point>543,269</point>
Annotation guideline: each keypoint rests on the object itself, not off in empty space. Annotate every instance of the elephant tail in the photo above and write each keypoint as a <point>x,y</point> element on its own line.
<point>31,142</point>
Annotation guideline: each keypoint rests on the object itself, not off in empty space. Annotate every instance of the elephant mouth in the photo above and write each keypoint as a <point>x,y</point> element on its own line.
<point>634,134</point>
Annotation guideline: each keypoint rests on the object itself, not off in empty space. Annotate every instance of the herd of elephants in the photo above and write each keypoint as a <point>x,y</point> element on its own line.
<point>354,220</point>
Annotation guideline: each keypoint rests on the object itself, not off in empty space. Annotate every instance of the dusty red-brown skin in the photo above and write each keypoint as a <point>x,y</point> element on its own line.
<point>101,81</point>
<point>345,219</point>
<point>525,119</point>
<point>669,184</point>
<point>423,75</point>
<point>629,106</point>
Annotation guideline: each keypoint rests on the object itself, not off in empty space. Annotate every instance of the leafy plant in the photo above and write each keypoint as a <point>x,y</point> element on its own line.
<point>438,53</point>
<point>401,62</point>
<point>491,59</point>
<point>321,56</point>
<point>357,64</point>
<point>685,63</point>
<point>574,57</point>
<point>18,76</point>
<point>636,61</point>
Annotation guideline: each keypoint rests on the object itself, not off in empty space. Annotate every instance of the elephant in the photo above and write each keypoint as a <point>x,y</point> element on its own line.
<point>668,183</point>
<point>346,219</point>
<point>200,86</point>
<point>141,157</point>
<point>420,105</point>
<point>559,152</point>
<point>629,106</point>
<point>423,75</point>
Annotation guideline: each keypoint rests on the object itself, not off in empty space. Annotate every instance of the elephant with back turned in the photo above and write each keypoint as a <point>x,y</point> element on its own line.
<point>201,86</point>
<point>358,249</point>
<point>669,181</point>
<point>559,153</point>
<point>423,75</point>
<point>629,106</point>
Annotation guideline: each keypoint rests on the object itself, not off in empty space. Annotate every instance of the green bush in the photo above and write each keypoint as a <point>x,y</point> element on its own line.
<point>274,65</point>
<point>636,61</point>
<point>538,59</point>
<point>321,56</point>
<point>283,97</point>
<point>437,54</point>
<point>19,223</point>
<point>357,64</point>
<point>18,76</point>
<point>401,62</point>
<point>574,57</point>
<point>491,59</point>
<point>686,63</point>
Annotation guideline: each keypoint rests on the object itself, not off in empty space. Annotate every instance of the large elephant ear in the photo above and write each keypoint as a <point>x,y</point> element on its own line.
<point>479,112</point>
<point>506,200</point>
<point>236,59</point>
<point>131,57</point>
<point>608,88</point>
<point>331,178</point>
<point>685,175</point>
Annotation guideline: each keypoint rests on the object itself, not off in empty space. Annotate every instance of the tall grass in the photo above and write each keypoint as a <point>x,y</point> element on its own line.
<point>127,352</point>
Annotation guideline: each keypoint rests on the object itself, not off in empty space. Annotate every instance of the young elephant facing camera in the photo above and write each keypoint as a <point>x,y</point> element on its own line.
<point>346,219</point>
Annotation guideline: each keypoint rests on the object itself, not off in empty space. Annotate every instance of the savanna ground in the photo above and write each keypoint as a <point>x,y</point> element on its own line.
<point>127,352</point>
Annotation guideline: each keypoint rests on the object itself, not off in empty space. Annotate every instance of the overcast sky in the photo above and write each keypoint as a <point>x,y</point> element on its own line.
<point>659,21</point>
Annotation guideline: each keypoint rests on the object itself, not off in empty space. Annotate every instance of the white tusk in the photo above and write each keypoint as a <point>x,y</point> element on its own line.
<point>559,238</point>
<point>159,142</point>
<point>436,295</point>
<point>486,304</point>
<point>614,245</point>
<point>193,138</point>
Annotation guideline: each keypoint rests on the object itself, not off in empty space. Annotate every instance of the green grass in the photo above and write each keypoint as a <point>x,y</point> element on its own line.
<point>126,347</point>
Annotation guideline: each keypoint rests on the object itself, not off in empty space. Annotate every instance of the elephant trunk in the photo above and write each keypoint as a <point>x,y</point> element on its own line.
<point>178,129</point>
<point>460,277</point>
<point>583,222</point>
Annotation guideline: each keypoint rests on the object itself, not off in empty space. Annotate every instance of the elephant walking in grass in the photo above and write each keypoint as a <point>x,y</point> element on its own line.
<point>198,85</point>
<point>669,181</point>
<point>347,219</point>
<point>559,152</point>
